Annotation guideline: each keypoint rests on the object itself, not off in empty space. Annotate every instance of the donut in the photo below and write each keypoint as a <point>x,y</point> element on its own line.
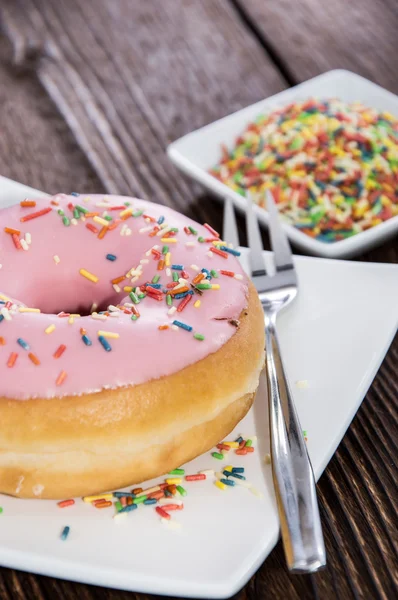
<point>131,341</point>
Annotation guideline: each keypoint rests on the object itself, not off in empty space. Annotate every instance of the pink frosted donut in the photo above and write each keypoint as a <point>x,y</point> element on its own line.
<point>130,341</point>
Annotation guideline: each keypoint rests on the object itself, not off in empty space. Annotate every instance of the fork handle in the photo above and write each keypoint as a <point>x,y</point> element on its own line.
<point>291,468</point>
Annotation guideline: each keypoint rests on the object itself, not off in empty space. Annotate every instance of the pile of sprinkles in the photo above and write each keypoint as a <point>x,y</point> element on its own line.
<point>240,446</point>
<point>168,495</point>
<point>176,285</point>
<point>332,166</point>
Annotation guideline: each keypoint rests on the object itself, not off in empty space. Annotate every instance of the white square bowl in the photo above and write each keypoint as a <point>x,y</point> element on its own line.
<point>198,151</point>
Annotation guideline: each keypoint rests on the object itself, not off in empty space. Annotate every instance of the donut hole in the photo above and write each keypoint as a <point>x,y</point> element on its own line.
<point>68,297</point>
<point>85,310</point>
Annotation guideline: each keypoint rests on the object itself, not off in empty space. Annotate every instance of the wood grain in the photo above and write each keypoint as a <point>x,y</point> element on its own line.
<point>309,37</point>
<point>118,97</point>
<point>34,138</point>
<point>92,94</point>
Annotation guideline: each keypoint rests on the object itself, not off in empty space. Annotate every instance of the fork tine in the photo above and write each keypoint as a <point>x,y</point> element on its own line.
<point>254,240</point>
<point>230,229</point>
<point>279,244</point>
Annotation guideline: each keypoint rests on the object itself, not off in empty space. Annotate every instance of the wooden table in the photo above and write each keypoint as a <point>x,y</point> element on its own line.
<point>91,93</point>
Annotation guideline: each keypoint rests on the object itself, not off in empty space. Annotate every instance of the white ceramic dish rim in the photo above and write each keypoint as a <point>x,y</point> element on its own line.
<point>224,588</point>
<point>344,248</point>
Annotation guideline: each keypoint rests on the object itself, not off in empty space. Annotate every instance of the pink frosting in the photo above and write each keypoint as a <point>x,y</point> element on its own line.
<point>34,278</point>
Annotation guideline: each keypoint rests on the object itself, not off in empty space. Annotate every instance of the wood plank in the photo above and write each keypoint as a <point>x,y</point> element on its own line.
<point>112,80</point>
<point>311,37</point>
<point>36,146</point>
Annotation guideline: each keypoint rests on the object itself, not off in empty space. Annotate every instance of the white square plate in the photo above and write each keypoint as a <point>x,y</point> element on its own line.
<point>331,336</point>
<point>198,151</point>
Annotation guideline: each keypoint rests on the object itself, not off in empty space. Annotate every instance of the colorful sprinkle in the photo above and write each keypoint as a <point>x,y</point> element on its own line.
<point>219,252</point>
<point>173,480</point>
<point>220,485</point>
<point>231,444</point>
<point>129,508</point>
<point>177,472</point>
<point>86,340</point>
<point>182,325</point>
<point>100,221</point>
<point>140,499</point>
<point>111,257</point>
<point>108,334</point>
<point>197,477</point>
<point>12,359</point>
<point>65,533</point>
<point>35,215</point>
<point>162,513</point>
<point>103,504</point>
<point>237,475</point>
<point>17,241</point>
<point>12,231</point>
<point>59,351</point>
<point>34,358</point>
<point>65,503</point>
<point>182,491</point>
<point>203,286</point>
<point>97,497</point>
<point>302,384</point>
<point>89,275</point>
<point>184,302</point>
<point>23,344</point>
<point>230,250</point>
<point>103,232</point>
<point>61,378</point>
<point>217,455</point>
<point>227,482</point>
<point>174,506</point>
<point>104,343</point>
<point>242,451</point>
<point>92,228</point>
<point>255,491</point>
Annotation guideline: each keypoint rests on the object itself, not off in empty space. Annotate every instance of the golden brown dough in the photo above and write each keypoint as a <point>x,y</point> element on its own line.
<point>79,445</point>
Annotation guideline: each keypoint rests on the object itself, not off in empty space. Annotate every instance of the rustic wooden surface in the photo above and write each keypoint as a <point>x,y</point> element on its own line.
<point>90,95</point>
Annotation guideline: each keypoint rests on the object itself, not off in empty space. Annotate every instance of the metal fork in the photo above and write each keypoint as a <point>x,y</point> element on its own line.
<point>291,467</point>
